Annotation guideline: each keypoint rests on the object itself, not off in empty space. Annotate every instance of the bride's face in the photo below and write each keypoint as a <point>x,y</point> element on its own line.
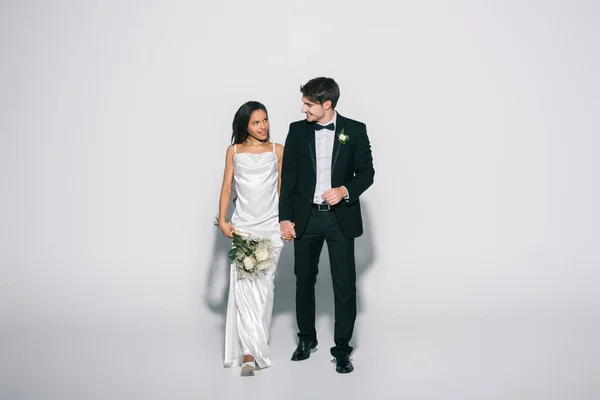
<point>258,126</point>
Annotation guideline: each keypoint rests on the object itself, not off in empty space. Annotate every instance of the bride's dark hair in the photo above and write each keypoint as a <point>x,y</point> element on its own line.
<point>241,119</point>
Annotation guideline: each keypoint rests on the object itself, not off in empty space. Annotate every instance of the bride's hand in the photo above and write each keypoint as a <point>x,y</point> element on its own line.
<point>287,230</point>
<point>226,229</point>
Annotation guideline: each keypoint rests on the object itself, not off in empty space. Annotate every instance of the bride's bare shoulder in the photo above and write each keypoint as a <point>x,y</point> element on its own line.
<point>279,149</point>
<point>231,150</point>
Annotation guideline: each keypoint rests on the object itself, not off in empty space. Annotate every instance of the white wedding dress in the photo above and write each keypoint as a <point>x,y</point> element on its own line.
<point>250,303</point>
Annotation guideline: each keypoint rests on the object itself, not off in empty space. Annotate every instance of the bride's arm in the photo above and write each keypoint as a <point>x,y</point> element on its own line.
<point>226,228</point>
<point>279,153</point>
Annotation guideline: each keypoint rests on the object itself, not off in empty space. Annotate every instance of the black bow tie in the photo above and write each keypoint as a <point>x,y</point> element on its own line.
<point>318,127</point>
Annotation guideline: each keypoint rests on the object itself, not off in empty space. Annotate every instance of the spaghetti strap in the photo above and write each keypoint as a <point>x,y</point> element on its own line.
<point>235,149</point>
<point>274,152</point>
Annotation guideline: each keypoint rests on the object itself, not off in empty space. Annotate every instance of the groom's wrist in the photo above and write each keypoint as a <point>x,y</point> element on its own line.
<point>347,195</point>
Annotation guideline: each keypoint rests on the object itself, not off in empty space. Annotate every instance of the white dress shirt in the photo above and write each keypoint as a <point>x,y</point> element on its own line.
<point>324,148</point>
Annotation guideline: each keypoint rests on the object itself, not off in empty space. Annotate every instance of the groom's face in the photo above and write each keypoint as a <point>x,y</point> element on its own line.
<point>314,111</point>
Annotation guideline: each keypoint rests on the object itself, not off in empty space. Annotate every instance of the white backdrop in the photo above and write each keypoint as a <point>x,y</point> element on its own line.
<point>477,273</point>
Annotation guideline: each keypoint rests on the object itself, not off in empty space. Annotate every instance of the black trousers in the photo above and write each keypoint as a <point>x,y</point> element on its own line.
<point>323,226</point>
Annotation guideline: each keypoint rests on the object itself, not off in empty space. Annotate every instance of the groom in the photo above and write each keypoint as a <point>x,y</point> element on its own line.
<point>327,165</point>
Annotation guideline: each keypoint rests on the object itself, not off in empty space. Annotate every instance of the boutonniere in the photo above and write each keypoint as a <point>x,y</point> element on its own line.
<point>342,137</point>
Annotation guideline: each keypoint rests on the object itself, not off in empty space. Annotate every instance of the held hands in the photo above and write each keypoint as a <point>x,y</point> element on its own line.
<point>334,195</point>
<point>226,228</point>
<point>287,230</point>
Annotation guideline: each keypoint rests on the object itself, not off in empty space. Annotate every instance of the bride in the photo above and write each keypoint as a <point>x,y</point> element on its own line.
<point>253,165</point>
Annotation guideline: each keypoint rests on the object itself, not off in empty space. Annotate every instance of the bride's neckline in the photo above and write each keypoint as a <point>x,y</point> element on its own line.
<point>245,152</point>
<point>252,145</point>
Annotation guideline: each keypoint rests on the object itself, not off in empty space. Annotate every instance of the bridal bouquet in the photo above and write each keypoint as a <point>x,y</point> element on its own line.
<point>251,255</point>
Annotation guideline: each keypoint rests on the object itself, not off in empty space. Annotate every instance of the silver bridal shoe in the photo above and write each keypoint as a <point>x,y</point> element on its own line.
<point>248,368</point>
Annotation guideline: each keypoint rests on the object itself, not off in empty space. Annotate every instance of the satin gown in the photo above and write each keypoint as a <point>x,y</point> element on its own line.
<point>250,302</point>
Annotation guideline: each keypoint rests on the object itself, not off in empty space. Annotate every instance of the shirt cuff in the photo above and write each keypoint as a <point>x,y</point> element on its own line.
<point>347,196</point>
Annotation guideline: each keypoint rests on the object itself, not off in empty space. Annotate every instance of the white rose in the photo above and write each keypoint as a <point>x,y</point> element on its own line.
<point>249,263</point>
<point>263,265</point>
<point>343,137</point>
<point>261,254</point>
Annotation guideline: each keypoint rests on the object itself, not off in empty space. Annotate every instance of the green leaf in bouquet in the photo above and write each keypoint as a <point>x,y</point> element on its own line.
<point>237,240</point>
<point>232,254</point>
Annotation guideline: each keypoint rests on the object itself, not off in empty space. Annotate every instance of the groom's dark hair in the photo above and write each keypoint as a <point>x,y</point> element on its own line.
<point>320,90</point>
<point>241,119</point>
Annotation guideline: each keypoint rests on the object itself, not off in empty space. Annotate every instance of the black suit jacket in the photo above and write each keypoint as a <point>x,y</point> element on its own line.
<point>351,166</point>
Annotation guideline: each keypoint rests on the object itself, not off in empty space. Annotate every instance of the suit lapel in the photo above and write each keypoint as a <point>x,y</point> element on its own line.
<point>310,133</point>
<point>341,123</point>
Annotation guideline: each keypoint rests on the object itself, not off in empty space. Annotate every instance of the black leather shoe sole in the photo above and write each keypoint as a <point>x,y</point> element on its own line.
<point>301,354</point>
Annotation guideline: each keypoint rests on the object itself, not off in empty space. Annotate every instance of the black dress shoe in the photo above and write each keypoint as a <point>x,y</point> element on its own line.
<point>304,348</point>
<point>343,365</point>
